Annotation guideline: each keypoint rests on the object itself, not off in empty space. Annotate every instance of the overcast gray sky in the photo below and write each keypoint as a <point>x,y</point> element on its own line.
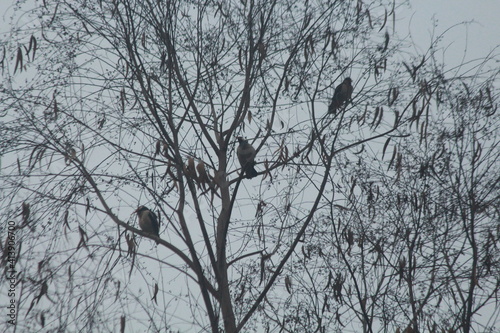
<point>481,35</point>
<point>478,38</point>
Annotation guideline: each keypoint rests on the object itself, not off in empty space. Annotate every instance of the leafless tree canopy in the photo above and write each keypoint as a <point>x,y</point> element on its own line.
<point>383,216</point>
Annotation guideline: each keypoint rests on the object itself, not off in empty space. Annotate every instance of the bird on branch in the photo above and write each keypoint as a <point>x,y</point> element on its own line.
<point>246,156</point>
<point>342,95</point>
<point>148,220</point>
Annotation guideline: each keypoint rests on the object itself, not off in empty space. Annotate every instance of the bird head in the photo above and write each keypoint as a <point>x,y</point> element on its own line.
<point>241,140</point>
<point>140,209</point>
<point>348,80</point>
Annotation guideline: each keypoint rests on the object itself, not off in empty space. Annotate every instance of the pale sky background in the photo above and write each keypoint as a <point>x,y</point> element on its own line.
<point>481,36</point>
<point>464,43</point>
<point>478,38</point>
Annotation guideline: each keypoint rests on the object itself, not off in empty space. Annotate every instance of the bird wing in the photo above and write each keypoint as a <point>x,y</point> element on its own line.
<point>349,90</point>
<point>336,99</point>
<point>338,90</point>
<point>149,222</point>
<point>246,153</point>
<point>154,222</point>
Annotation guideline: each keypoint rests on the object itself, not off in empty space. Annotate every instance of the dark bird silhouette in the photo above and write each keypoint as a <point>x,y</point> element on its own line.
<point>190,169</point>
<point>342,95</point>
<point>246,156</point>
<point>148,220</point>
<point>203,175</point>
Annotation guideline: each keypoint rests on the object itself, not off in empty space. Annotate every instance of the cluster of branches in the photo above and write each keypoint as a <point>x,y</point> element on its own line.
<point>412,236</point>
<point>383,215</point>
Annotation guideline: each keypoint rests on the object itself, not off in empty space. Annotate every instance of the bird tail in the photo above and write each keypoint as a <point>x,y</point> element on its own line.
<point>250,171</point>
<point>334,105</point>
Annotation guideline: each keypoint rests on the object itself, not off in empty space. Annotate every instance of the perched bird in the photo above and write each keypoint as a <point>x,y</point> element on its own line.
<point>190,169</point>
<point>148,220</point>
<point>342,95</point>
<point>203,175</point>
<point>246,156</point>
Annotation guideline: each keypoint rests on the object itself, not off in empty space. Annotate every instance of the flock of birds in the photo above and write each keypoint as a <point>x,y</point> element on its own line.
<point>148,221</point>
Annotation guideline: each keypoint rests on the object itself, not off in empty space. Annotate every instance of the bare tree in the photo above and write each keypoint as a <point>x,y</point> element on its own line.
<point>111,106</point>
<point>411,243</point>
